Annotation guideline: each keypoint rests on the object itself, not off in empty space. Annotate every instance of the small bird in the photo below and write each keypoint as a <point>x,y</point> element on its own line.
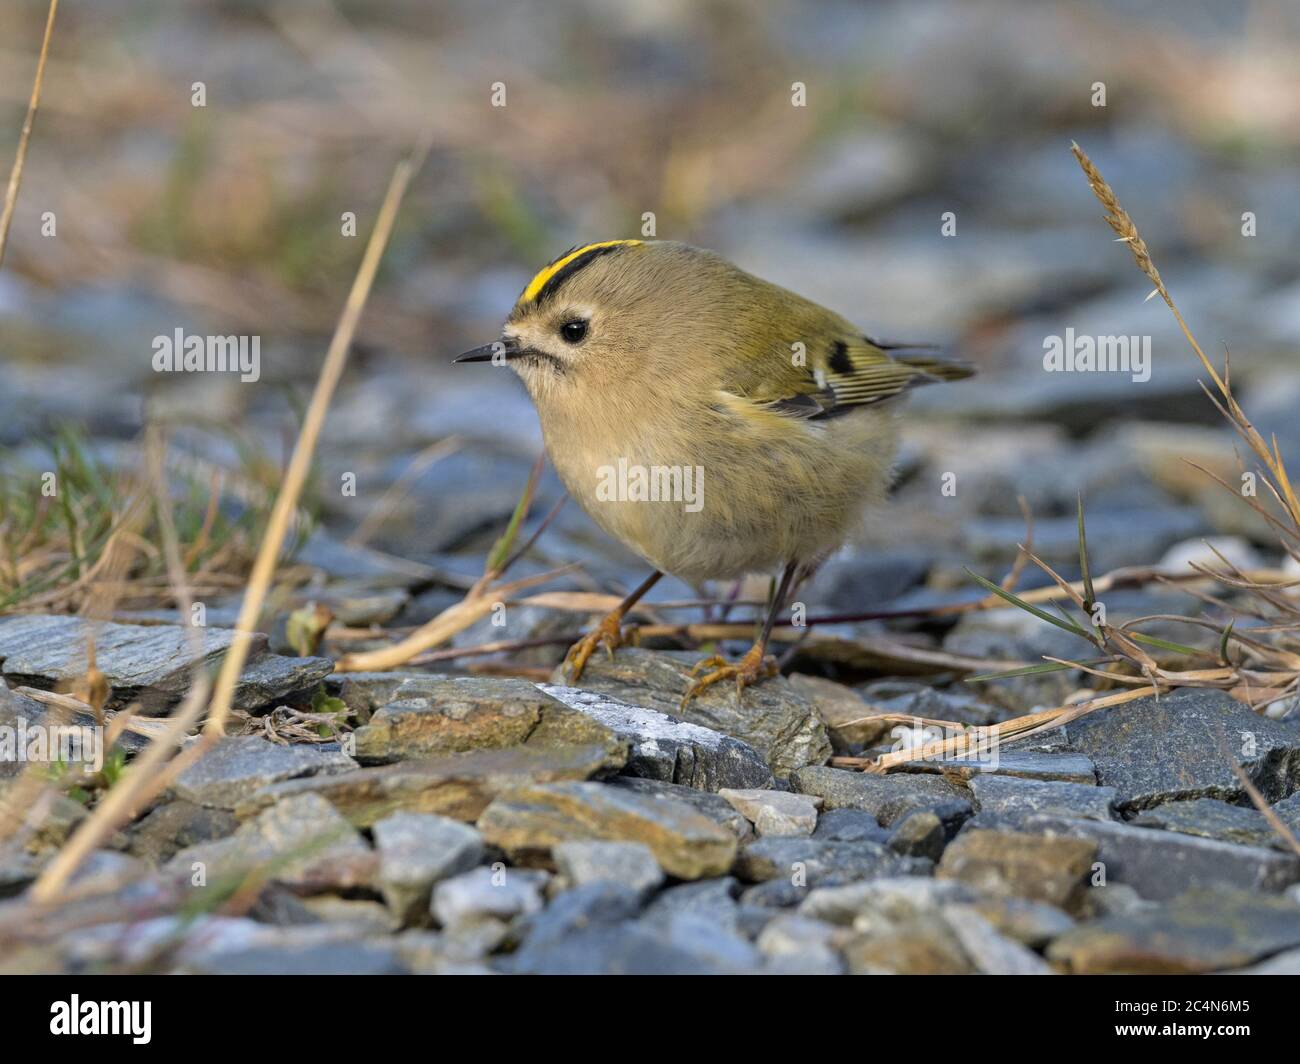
<point>716,424</point>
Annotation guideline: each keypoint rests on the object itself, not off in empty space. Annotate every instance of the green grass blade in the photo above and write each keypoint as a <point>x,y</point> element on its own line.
<point>1163,644</point>
<point>1032,670</point>
<point>1089,595</point>
<point>1017,601</point>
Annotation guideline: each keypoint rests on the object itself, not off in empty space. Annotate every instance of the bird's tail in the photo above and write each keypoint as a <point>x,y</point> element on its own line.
<point>928,361</point>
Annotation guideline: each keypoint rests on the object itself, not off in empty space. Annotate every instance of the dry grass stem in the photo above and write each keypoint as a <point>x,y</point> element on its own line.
<point>20,157</point>
<point>295,476</point>
<point>1267,671</point>
<point>152,771</point>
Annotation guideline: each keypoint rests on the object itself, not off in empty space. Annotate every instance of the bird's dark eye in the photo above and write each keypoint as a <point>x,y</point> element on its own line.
<point>573,331</point>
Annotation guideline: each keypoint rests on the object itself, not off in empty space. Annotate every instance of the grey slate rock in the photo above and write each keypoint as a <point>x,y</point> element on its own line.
<point>324,958</point>
<point>484,893</point>
<point>269,678</point>
<point>630,864</point>
<point>374,569</point>
<point>1200,931</point>
<point>240,766</point>
<point>434,715</point>
<point>173,826</point>
<point>665,747</point>
<point>714,899</point>
<point>775,719</point>
<point>151,664</point>
<point>1023,797</point>
<point>821,863</point>
<point>573,911</point>
<point>1162,864</point>
<point>133,657</point>
<point>1212,819</point>
<point>416,850</point>
<point>1032,923</point>
<point>1177,747</point>
<point>797,945</point>
<point>713,806</point>
<point>303,839</point>
<point>23,715</point>
<point>990,951</point>
<point>1289,810</point>
<point>682,945</point>
<point>775,812</point>
<point>1023,764</point>
<point>887,798</point>
<point>850,825</point>
<point>772,894</point>
<point>883,900</point>
<point>919,834</point>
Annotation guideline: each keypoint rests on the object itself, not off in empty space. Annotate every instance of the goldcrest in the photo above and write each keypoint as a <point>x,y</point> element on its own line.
<point>716,424</point>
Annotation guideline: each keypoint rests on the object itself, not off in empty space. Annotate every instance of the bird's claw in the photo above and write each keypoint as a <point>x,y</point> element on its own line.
<point>754,666</point>
<point>609,633</point>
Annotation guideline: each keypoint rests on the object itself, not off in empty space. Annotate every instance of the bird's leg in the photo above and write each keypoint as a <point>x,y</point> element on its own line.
<point>755,665</point>
<point>608,633</point>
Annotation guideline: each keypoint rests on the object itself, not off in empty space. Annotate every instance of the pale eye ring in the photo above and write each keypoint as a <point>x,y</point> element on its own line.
<point>574,332</point>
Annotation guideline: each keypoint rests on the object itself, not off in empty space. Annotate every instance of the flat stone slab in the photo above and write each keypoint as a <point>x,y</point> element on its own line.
<point>991,952</point>
<point>374,569</point>
<point>1012,797</point>
<point>1178,747</point>
<point>149,664</point>
<point>714,899</point>
<point>684,945</point>
<point>599,902</point>
<point>26,739</point>
<point>887,798</point>
<point>172,826</point>
<point>921,833</point>
<point>887,898</point>
<point>435,715</point>
<point>416,850</point>
<point>821,862</point>
<point>239,766</point>
<point>1026,764</point>
<point>1033,923</point>
<point>1288,809</point>
<point>502,894</point>
<point>301,841</point>
<point>268,678</point>
<point>772,718</point>
<point>459,786</point>
<point>796,945</point>
<point>850,825</point>
<point>631,864</point>
<point>1162,864</point>
<point>907,947</point>
<point>775,812</point>
<point>894,924</point>
<point>666,747</point>
<point>1212,819</point>
<point>529,821</point>
<point>713,806</point>
<point>1201,931</point>
<point>1018,865</point>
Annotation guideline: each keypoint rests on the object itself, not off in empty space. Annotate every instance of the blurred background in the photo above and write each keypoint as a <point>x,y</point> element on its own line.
<point>227,218</point>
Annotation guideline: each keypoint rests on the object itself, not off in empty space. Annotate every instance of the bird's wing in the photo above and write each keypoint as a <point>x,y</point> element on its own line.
<point>841,372</point>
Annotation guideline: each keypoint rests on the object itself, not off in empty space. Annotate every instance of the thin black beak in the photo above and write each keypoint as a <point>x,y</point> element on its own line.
<point>502,349</point>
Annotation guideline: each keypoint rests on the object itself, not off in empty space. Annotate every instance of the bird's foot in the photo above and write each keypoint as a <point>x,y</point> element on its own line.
<point>609,633</point>
<point>754,666</point>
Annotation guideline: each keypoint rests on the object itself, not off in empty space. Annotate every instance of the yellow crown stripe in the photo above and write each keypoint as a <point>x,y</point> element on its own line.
<point>547,272</point>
